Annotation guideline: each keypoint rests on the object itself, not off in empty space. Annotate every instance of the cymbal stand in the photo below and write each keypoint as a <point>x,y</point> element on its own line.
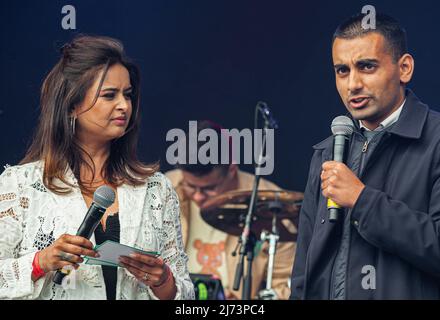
<point>272,238</point>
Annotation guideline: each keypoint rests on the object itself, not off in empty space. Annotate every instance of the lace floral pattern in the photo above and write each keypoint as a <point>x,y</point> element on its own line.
<point>32,217</point>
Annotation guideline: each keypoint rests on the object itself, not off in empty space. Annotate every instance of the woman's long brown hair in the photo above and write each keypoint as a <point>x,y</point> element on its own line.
<point>64,88</point>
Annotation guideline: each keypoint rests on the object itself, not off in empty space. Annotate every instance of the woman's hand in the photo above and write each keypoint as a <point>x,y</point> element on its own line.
<point>152,272</point>
<point>147,269</point>
<point>65,251</point>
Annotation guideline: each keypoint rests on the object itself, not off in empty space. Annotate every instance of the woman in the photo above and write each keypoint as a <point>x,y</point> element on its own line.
<point>87,137</point>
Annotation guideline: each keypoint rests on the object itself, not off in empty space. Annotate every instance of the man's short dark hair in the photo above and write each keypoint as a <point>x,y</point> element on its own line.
<point>388,27</point>
<point>199,169</point>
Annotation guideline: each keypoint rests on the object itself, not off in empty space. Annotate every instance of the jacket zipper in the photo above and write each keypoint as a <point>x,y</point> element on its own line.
<point>361,169</point>
<point>332,289</point>
<point>365,147</point>
<point>361,172</point>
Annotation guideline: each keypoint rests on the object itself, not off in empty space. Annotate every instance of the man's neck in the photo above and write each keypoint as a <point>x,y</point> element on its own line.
<point>373,125</point>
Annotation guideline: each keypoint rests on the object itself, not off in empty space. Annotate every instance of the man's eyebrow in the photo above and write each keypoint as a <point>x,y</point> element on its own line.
<point>339,65</point>
<point>367,61</point>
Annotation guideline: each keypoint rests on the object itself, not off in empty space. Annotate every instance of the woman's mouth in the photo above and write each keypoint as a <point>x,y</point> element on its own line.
<point>120,121</point>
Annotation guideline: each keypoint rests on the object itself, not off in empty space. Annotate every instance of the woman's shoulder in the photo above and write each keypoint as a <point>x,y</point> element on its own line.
<point>158,179</point>
<point>16,179</point>
<point>23,171</point>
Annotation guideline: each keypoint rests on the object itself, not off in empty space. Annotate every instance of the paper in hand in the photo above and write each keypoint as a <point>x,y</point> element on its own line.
<point>110,252</point>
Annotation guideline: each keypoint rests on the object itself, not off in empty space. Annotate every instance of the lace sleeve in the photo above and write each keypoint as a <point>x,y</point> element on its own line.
<point>15,269</point>
<point>173,251</point>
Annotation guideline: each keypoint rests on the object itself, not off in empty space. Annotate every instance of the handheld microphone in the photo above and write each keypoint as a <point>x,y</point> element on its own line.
<point>103,198</point>
<point>342,128</point>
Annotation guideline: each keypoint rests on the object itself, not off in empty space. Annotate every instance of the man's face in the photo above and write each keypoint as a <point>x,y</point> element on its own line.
<point>367,79</point>
<point>201,188</point>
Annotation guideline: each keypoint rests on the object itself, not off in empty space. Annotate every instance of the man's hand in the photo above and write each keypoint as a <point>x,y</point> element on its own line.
<point>340,184</point>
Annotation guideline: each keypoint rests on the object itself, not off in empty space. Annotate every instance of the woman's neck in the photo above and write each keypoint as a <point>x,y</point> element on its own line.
<point>98,153</point>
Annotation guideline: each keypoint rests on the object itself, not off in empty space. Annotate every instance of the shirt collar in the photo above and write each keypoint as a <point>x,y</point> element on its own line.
<point>391,119</point>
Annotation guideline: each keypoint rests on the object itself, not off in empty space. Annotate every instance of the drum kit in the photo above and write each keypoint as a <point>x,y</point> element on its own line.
<point>275,219</point>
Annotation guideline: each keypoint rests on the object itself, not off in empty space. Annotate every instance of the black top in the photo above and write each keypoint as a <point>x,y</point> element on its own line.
<point>112,232</point>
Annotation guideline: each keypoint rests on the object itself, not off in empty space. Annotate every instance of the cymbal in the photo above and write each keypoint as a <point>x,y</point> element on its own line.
<point>227,212</point>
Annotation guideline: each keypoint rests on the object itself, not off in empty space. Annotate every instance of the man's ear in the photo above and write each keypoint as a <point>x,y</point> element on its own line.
<point>406,68</point>
<point>233,168</point>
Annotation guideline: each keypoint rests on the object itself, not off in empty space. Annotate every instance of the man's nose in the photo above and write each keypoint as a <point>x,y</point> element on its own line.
<point>199,197</point>
<point>354,83</point>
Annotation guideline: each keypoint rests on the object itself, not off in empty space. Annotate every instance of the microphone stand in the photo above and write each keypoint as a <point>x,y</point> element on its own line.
<point>247,240</point>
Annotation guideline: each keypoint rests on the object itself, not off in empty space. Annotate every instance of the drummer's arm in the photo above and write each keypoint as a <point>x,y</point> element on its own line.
<point>282,268</point>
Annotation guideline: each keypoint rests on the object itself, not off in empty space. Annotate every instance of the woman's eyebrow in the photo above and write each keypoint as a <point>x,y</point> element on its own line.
<point>109,89</point>
<point>116,89</point>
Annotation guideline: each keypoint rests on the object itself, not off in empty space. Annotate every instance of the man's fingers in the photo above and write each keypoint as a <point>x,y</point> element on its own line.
<point>325,174</point>
<point>329,165</point>
<point>331,181</point>
<point>328,192</point>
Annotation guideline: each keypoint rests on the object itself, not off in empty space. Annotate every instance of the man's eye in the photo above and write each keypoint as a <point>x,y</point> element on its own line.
<point>368,67</point>
<point>342,70</point>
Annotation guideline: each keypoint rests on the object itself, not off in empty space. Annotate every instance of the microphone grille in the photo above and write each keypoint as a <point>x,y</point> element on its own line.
<point>104,196</point>
<point>342,125</point>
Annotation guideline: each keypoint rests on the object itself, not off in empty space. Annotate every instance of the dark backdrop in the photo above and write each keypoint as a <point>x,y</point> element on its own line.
<point>207,59</point>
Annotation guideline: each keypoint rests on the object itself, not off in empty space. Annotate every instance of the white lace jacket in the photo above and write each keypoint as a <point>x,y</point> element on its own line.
<point>32,217</point>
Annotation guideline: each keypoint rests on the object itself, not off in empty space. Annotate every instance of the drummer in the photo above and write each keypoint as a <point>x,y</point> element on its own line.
<point>210,250</point>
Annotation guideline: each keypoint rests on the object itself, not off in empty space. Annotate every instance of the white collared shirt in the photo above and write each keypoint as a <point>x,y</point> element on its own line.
<point>391,119</point>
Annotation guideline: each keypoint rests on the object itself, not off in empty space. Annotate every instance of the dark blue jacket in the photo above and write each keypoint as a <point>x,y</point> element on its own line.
<point>395,224</point>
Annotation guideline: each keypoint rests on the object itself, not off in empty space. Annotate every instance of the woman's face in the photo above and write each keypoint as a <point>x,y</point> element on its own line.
<point>109,117</point>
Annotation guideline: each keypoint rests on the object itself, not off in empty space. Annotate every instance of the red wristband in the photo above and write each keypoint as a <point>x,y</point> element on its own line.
<point>37,272</point>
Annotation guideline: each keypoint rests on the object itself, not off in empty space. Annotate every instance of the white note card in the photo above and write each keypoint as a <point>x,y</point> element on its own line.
<point>110,252</point>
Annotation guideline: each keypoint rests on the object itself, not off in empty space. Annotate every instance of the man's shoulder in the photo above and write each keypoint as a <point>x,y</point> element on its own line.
<point>175,176</point>
<point>434,118</point>
<point>324,144</point>
<point>247,180</point>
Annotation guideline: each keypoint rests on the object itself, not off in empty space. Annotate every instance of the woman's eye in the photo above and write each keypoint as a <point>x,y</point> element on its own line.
<point>129,95</point>
<point>109,96</point>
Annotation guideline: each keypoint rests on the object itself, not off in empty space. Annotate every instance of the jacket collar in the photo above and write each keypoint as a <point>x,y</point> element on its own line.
<point>410,124</point>
<point>412,119</point>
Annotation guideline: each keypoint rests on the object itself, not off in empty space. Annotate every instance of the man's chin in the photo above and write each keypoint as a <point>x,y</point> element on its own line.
<point>361,114</point>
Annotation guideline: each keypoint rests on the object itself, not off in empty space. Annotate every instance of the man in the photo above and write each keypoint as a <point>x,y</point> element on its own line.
<point>386,245</point>
<point>210,250</point>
